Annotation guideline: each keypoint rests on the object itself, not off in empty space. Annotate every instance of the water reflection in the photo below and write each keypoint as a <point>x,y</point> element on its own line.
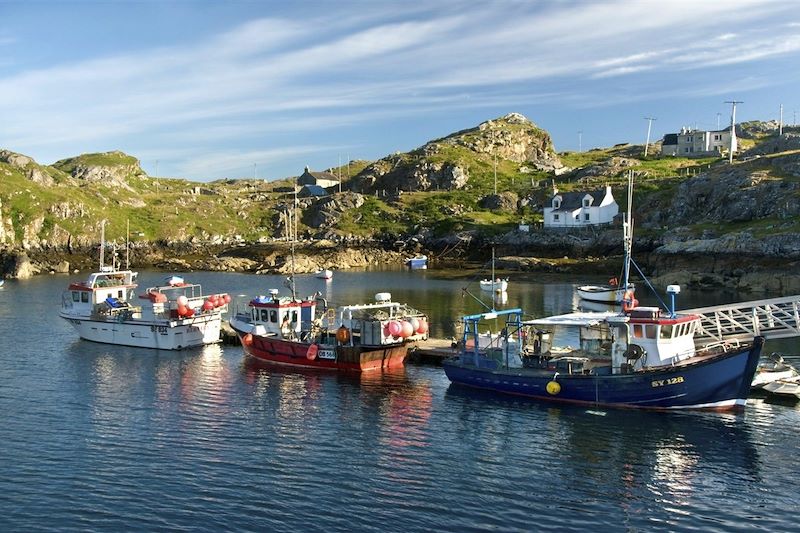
<point>645,463</point>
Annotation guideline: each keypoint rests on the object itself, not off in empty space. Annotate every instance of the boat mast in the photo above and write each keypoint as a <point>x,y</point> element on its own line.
<point>102,243</point>
<point>293,232</point>
<point>627,233</point>
<point>128,245</point>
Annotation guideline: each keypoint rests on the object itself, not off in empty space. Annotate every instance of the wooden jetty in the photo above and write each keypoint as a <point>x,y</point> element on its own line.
<point>432,351</point>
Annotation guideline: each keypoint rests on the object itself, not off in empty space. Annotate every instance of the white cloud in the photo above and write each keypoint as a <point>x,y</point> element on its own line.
<point>280,73</point>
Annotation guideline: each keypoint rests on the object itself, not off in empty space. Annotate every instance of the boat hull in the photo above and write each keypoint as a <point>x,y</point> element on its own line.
<point>718,382</point>
<point>601,293</point>
<point>158,334</point>
<point>286,352</point>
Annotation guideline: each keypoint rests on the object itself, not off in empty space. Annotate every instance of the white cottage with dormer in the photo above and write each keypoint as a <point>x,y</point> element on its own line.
<point>578,209</point>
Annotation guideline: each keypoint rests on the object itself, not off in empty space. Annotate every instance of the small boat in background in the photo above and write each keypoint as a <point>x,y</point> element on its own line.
<point>614,292</point>
<point>773,368</point>
<point>494,285</point>
<point>610,293</point>
<point>785,388</point>
<point>2,282</point>
<point>325,274</point>
<point>419,262</point>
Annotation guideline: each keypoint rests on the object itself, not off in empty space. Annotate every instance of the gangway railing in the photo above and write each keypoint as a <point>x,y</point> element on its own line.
<point>775,318</point>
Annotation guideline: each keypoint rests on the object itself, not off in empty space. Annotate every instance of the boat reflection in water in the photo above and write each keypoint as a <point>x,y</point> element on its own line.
<point>400,404</point>
<point>652,466</point>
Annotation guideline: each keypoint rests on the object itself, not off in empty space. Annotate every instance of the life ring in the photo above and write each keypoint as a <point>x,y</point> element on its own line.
<point>628,301</point>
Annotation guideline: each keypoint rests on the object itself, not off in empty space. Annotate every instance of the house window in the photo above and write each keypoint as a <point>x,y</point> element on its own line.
<point>717,137</point>
<point>555,217</point>
<point>690,139</point>
<point>586,217</point>
<point>556,203</point>
<point>587,202</point>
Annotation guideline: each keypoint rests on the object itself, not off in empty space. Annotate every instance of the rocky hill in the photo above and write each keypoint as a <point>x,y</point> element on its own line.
<point>449,197</point>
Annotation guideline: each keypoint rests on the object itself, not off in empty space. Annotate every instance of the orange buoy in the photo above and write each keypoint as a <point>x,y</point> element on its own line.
<point>628,301</point>
<point>343,334</point>
<point>247,340</point>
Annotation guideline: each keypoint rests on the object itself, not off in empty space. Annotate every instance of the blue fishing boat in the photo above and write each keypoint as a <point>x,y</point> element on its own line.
<point>642,358</point>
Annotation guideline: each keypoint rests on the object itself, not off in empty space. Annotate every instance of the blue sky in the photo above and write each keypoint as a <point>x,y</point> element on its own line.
<point>208,90</point>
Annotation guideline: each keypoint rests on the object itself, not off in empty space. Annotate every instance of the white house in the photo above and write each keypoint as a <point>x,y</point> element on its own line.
<point>580,209</point>
<point>691,142</point>
<point>323,179</point>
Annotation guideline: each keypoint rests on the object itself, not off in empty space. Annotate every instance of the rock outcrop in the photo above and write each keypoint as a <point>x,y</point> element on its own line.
<point>444,164</point>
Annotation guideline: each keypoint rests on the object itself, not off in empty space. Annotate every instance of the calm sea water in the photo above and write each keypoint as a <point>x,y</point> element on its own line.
<point>101,438</point>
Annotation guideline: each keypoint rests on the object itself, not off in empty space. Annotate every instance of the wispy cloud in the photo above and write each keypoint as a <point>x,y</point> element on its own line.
<point>279,74</point>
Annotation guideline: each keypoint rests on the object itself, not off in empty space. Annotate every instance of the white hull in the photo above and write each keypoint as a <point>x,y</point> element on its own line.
<point>160,334</point>
<point>494,286</point>
<point>601,293</point>
<point>785,387</point>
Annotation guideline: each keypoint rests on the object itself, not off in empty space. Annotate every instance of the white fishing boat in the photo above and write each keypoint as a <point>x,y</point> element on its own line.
<point>175,315</point>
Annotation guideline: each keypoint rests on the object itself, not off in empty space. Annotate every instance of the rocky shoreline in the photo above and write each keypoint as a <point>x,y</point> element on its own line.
<point>696,264</point>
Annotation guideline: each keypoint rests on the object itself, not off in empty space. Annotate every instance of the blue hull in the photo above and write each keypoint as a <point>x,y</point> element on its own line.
<point>718,382</point>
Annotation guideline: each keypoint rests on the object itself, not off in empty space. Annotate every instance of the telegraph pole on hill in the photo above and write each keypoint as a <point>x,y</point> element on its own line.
<point>649,125</point>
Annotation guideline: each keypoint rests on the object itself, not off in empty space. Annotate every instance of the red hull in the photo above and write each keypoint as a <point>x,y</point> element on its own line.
<point>306,355</point>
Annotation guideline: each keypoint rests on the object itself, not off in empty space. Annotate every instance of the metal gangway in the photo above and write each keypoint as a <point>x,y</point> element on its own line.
<point>775,318</point>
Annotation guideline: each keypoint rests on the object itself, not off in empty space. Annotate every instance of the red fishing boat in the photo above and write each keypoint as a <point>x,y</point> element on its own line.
<point>287,331</point>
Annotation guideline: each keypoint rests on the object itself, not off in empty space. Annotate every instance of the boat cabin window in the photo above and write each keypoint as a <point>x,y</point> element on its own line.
<point>76,296</point>
<point>666,332</point>
<point>637,331</point>
<point>264,315</point>
<point>650,331</point>
<point>85,297</point>
<point>273,316</point>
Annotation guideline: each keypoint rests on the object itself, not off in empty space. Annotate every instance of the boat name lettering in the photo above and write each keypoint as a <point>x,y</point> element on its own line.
<point>160,329</point>
<point>668,381</point>
<point>326,354</point>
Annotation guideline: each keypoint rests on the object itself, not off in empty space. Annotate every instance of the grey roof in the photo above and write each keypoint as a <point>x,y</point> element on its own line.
<point>574,200</point>
<point>312,190</point>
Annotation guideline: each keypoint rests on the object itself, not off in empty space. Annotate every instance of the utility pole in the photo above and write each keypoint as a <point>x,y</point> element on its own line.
<point>649,125</point>
<point>580,141</point>
<point>718,115</point>
<point>733,127</point>
<point>780,122</point>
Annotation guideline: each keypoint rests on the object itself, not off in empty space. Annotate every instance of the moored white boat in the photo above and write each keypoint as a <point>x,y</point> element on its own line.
<point>105,308</point>
<point>175,315</point>
<point>787,388</point>
<point>494,285</point>
<point>773,368</point>
<point>419,262</point>
<point>325,274</point>
<point>607,293</point>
